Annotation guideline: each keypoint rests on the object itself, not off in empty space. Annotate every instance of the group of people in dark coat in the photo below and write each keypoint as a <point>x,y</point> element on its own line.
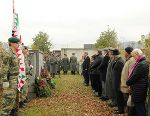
<point>122,83</point>
<point>55,64</point>
<point>69,64</point>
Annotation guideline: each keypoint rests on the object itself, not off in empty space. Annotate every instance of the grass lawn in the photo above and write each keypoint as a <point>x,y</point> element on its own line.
<point>70,98</point>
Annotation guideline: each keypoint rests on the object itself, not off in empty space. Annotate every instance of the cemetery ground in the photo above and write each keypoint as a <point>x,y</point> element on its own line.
<point>70,98</point>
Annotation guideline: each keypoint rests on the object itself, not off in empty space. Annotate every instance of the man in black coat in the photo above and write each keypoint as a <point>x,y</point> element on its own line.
<point>92,72</point>
<point>103,69</point>
<point>116,72</point>
<point>97,79</point>
<point>85,68</point>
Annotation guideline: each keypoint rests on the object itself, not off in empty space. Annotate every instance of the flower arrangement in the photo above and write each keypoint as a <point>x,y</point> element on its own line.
<point>42,86</point>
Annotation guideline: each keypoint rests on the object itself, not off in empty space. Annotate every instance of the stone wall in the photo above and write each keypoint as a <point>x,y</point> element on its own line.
<point>36,59</point>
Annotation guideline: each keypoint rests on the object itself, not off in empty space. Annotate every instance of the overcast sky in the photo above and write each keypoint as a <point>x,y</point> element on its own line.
<point>70,23</point>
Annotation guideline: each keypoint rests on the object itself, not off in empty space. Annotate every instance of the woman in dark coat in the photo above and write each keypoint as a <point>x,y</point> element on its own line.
<point>138,82</point>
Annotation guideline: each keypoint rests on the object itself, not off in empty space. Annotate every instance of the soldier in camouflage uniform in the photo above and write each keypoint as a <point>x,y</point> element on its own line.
<point>10,77</point>
<point>2,70</point>
<point>1,62</point>
<point>24,90</point>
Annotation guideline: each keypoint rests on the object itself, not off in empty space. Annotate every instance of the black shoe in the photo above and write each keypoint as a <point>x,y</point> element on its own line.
<point>102,97</point>
<point>105,98</point>
<point>21,104</point>
<point>14,112</point>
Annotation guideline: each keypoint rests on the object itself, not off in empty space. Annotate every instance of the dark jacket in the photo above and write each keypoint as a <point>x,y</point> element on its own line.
<point>92,71</point>
<point>53,62</point>
<point>96,64</point>
<point>73,63</point>
<point>109,79</point>
<point>86,63</point>
<point>139,81</point>
<point>103,67</point>
<point>116,73</point>
<point>65,64</point>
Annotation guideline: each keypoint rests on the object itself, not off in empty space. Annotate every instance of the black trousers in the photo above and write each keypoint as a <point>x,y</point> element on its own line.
<point>65,72</point>
<point>140,109</point>
<point>131,111</point>
<point>92,81</point>
<point>58,72</point>
<point>73,72</point>
<point>120,101</point>
<point>125,97</point>
<point>86,76</point>
<point>97,84</point>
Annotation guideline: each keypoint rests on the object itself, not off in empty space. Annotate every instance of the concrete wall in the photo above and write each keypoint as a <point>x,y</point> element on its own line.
<point>78,52</point>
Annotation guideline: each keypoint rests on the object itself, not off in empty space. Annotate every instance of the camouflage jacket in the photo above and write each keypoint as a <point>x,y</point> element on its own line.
<point>3,65</point>
<point>27,66</point>
<point>11,64</point>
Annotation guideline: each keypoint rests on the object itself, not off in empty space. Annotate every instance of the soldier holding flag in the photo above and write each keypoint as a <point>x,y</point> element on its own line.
<point>10,80</point>
<point>15,76</point>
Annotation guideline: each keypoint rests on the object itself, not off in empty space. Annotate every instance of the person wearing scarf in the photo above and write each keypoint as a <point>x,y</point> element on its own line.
<point>138,81</point>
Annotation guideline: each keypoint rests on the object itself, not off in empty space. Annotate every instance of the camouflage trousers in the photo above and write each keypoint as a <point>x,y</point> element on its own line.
<point>24,91</point>
<point>9,94</point>
<point>0,97</point>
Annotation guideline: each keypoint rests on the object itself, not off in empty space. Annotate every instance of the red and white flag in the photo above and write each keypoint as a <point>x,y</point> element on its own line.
<point>15,33</point>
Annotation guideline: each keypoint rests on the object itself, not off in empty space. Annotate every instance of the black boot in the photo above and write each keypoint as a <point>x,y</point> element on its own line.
<point>26,100</point>
<point>21,104</point>
<point>74,73</point>
<point>14,112</point>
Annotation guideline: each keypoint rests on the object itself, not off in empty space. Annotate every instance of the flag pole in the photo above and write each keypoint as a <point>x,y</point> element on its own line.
<point>18,93</point>
<point>13,7</point>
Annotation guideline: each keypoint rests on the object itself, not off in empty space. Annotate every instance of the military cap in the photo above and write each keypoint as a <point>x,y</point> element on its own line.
<point>13,40</point>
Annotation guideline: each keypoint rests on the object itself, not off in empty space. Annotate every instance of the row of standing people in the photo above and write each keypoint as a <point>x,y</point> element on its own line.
<point>11,98</point>
<point>117,80</point>
<point>55,64</point>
